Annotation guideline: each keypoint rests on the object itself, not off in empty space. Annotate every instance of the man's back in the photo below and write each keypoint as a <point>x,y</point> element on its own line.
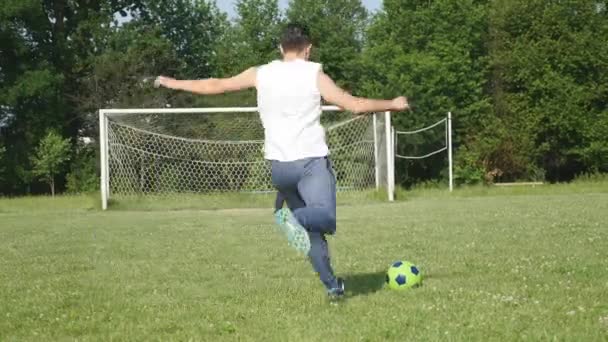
<point>289,103</point>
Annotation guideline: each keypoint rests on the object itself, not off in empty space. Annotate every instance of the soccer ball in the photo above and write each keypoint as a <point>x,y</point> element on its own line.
<point>403,275</point>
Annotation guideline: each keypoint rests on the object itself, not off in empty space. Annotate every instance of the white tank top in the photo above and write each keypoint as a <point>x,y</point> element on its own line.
<point>289,104</point>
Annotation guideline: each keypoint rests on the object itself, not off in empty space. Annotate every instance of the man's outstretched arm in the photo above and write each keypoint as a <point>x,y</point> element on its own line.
<point>332,93</point>
<point>211,86</point>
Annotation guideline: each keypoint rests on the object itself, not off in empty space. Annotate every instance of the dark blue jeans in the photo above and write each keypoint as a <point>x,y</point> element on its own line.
<point>309,188</point>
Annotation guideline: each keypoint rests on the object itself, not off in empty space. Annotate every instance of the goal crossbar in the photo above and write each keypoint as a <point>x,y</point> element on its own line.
<point>206,110</point>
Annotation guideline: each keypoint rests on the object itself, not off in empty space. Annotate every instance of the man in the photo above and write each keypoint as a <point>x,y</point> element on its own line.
<point>289,93</point>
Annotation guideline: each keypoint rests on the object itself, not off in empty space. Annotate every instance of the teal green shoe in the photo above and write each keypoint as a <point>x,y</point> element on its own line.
<point>297,236</point>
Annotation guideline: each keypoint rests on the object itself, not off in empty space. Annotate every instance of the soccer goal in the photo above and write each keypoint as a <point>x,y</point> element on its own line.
<point>209,151</point>
<point>435,138</point>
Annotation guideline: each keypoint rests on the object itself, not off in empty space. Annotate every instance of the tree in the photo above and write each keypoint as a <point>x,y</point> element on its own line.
<point>550,73</point>
<point>50,155</point>
<point>252,40</point>
<point>254,37</point>
<point>434,53</point>
<point>57,59</point>
<point>44,48</point>
<point>117,77</point>
<point>337,29</point>
<point>2,163</point>
<point>193,28</point>
<point>31,85</point>
<point>83,177</point>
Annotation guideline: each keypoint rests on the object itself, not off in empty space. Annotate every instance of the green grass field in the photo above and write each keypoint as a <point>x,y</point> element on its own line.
<point>498,265</point>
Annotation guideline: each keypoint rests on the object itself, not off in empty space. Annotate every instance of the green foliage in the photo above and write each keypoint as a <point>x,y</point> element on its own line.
<point>250,41</point>
<point>550,75</point>
<point>45,46</point>
<point>253,39</point>
<point>467,170</point>
<point>2,163</point>
<point>83,177</point>
<point>528,96</point>
<point>337,28</point>
<point>193,28</point>
<point>499,154</point>
<point>433,52</point>
<point>50,155</point>
<point>413,49</point>
<point>117,75</point>
<point>592,178</point>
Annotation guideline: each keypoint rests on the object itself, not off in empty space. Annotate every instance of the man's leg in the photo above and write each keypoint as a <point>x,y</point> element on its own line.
<point>319,258</point>
<point>285,176</point>
<point>278,202</point>
<point>319,251</point>
<point>311,181</point>
<point>317,188</point>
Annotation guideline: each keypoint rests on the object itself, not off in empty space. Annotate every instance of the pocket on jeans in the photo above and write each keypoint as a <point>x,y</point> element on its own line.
<point>309,165</point>
<point>330,167</point>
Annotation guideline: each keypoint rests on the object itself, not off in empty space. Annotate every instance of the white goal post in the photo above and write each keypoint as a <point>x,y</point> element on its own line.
<point>199,151</point>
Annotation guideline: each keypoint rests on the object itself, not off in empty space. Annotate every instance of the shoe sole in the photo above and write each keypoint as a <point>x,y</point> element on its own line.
<point>297,236</point>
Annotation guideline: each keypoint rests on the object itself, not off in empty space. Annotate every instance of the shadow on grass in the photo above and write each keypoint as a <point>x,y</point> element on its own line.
<point>364,283</point>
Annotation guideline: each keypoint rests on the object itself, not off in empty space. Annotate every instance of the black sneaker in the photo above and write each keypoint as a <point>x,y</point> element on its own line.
<point>336,293</point>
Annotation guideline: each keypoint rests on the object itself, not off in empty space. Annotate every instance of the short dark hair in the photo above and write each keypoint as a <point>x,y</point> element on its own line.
<point>296,37</point>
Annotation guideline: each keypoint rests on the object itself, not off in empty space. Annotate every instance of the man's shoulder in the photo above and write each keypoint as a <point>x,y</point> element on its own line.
<point>314,67</point>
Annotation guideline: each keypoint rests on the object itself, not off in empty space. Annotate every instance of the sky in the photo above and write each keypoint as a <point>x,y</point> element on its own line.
<point>228,5</point>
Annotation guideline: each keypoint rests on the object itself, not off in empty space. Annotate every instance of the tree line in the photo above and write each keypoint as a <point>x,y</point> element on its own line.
<point>526,80</point>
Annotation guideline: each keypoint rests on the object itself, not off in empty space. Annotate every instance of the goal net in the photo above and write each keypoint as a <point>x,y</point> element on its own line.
<point>160,153</point>
<point>426,142</point>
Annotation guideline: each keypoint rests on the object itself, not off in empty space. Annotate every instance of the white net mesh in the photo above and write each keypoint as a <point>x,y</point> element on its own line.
<point>432,143</point>
<point>208,153</point>
<point>424,142</point>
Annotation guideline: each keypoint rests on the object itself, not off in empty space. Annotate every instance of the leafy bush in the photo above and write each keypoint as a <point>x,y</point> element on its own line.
<point>467,168</point>
<point>49,158</point>
<point>83,176</point>
<point>2,163</point>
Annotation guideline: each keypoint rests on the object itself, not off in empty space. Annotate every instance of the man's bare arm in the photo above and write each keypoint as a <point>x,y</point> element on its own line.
<point>211,86</point>
<point>332,93</point>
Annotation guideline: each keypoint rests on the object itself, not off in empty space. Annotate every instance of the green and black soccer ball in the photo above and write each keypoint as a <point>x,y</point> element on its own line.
<point>403,275</point>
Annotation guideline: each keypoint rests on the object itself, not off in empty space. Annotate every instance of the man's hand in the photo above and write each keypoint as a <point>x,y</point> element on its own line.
<point>333,94</point>
<point>163,81</point>
<point>400,103</point>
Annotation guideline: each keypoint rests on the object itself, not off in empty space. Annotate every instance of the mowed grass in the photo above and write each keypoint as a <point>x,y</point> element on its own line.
<point>496,267</point>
